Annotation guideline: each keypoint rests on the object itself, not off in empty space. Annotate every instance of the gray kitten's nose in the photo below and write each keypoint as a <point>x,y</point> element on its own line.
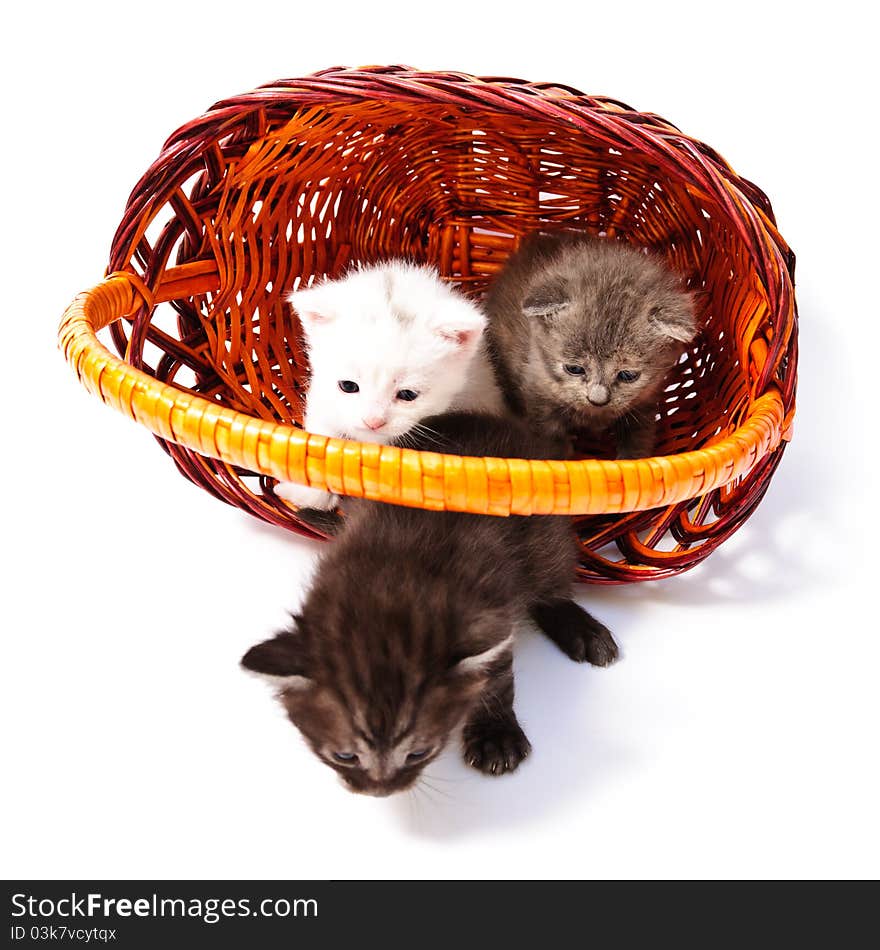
<point>598,394</point>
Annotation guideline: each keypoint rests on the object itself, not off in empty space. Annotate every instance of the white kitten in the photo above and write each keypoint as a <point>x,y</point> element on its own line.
<point>388,345</point>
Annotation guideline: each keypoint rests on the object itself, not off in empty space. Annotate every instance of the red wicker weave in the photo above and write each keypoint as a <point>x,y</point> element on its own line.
<point>305,176</point>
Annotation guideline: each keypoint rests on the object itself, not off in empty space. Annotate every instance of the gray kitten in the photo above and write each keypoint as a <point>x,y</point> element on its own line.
<point>583,332</point>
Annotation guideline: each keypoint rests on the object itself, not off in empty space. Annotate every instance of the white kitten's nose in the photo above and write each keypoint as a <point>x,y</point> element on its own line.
<point>374,422</point>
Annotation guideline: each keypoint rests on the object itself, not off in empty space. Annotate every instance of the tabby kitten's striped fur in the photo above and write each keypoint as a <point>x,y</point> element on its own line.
<point>407,631</point>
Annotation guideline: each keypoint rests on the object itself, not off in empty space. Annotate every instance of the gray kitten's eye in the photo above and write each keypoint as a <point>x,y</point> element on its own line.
<point>407,395</point>
<point>573,369</point>
<point>417,754</point>
<point>345,756</point>
<point>628,375</point>
<point>348,386</point>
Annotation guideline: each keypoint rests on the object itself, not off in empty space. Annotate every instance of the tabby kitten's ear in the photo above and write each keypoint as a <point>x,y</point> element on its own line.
<point>280,660</point>
<point>465,680</point>
<point>480,663</point>
<point>547,299</point>
<point>676,319</point>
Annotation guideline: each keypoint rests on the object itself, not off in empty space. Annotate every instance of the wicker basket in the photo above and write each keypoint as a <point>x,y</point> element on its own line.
<point>304,176</point>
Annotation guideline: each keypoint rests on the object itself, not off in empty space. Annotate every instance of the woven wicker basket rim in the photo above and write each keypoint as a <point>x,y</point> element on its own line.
<point>509,486</point>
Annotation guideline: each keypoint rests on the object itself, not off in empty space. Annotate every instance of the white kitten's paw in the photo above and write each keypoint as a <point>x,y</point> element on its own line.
<point>305,497</point>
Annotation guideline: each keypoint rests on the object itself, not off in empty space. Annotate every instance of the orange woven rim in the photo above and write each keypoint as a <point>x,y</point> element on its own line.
<point>302,177</point>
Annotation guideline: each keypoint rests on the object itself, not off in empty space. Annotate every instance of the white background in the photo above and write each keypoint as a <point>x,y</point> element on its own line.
<point>737,736</point>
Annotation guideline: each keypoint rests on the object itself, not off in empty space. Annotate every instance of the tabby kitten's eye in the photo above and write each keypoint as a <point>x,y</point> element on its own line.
<point>417,754</point>
<point>345,756</point>
<point>628,375</point>
<point>407,395</point>
<point>573,369</point>
<point>349,386</point>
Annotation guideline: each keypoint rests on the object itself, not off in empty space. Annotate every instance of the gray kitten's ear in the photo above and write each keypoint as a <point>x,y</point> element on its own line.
<point>675,320</point>
<point>547,299</point>
<point>280,660</point>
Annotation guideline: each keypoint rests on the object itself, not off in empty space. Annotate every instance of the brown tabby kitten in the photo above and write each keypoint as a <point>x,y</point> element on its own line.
<point>582,333</point>
<point>407,631</point>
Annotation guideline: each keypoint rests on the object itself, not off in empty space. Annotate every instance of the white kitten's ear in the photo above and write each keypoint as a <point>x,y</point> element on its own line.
<point>480,662</point>
<point>546,300</point>
<point>460,324</point>
<point>279,660</point>
<point>676,320</point>
<point>314,306</point>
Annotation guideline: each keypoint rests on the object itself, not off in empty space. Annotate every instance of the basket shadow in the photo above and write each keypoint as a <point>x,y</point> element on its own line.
<point>559,704</point>
<point>762,562</point>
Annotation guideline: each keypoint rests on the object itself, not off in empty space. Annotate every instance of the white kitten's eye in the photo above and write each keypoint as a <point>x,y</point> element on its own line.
<point>628,375</point>
<point>407,395</point>
<point>574,369</point>
<point>348,386</point>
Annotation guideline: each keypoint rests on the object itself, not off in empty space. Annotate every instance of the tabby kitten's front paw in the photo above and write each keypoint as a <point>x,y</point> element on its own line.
<point>578,634</point>
<point>303,496</point>
<point>495,746</point>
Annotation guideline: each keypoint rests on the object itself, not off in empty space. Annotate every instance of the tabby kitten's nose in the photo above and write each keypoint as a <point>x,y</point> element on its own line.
<point>598,394</point>
<point>374,422</point>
